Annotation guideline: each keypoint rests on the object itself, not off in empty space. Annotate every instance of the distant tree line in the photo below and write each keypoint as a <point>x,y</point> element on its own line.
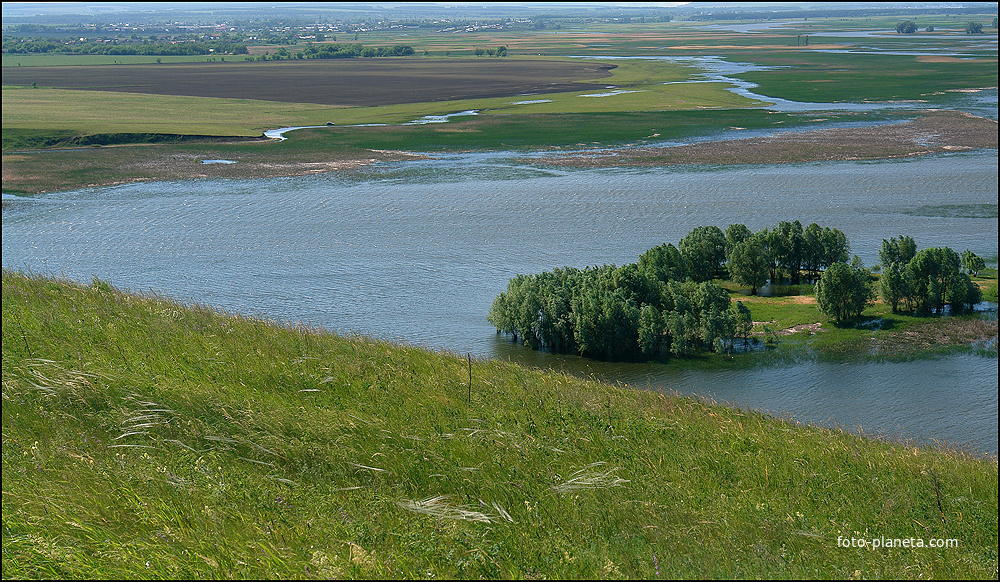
<point>349,51</point>
<point>500,51</point>
<point>909,27</point>
<point>14,46</point>
<point>767,13</point>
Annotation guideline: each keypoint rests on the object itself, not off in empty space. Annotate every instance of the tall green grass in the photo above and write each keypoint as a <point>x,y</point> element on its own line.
<point>143,438</point>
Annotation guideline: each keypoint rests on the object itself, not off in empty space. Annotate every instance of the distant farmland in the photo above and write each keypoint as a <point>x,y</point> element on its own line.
<point>354,82</point>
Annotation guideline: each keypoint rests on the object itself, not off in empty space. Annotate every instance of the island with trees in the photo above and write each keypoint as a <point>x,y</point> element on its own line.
<point>675,300</point>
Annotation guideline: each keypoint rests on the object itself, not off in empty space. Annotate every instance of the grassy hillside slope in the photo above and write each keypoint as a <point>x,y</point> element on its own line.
<point>144,438</point>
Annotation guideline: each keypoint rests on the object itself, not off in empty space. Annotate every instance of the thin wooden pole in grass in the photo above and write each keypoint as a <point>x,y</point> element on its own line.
<point>937,490</point>
<point>24,338</point>
<point>468,357</point>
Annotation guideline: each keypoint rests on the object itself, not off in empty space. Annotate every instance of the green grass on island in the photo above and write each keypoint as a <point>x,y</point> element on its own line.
<point>144,438</point>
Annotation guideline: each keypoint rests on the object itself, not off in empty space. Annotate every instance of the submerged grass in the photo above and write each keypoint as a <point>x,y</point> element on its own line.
<point>143,438</point>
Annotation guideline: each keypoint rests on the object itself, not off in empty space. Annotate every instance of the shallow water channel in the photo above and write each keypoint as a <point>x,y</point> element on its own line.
<point>416,251</point>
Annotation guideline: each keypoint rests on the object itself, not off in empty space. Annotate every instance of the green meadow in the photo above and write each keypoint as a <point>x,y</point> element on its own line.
<point>145,438</point>
<point>92,112</point>
<point>824,77</point>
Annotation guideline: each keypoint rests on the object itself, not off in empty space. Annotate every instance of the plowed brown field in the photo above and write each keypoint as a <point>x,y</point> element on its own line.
<point>326,82</point>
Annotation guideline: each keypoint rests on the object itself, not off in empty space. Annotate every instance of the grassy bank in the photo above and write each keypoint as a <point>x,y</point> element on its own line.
<point>797,328</point>
<point>144,438</point>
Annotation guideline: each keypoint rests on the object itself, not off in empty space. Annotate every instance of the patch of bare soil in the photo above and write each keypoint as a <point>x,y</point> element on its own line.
<point>945,331</point>
<point>812,328</point>
<point>936,131</point>
<point>348,82</point>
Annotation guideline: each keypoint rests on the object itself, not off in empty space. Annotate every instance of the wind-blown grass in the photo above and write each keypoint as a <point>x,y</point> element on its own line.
<point>143,438</point>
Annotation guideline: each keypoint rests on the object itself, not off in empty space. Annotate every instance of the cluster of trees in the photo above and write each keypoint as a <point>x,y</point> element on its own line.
<point>500,51</point>
<point>922,281</point>
<point>126,48</point>
<point>620,313</point>
<point>844,290</point>
<point>927,280</point>
<point>348,51</point>
<point>909,27</point>
<point>667,302</point>
<point>752,258</point>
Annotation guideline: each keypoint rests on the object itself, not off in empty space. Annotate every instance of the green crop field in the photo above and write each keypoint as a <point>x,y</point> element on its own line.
<point>87,112</point>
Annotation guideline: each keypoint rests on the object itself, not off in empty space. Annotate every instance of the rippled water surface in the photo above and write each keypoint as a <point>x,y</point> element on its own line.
<point>418,250</point>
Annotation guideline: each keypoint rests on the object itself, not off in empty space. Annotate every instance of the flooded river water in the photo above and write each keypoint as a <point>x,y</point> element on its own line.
<point>416,251</point>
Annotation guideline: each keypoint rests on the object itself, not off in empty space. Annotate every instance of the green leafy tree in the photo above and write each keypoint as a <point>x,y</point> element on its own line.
<point>749,263</point>
<point>735,234</point>
<point>973,28</point>
<point>906,27</point>
<point>716,326</point>
<point>843,291</point>
<point>972,262</point>
<point>823,247</point>
<point>897,250</point>
<point>812,255</point>
<point>664,262</point>
<point>893,286</point>
<point>936,280</point>
<point>606,324</point>
<point>617,313</point>
<point>683,333</point>
<point>791,248</point>
<point>835,247</point>
<point>742,321</point>
<point>652,330</point>
<point>704,249</point>
<point>555,320</point>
